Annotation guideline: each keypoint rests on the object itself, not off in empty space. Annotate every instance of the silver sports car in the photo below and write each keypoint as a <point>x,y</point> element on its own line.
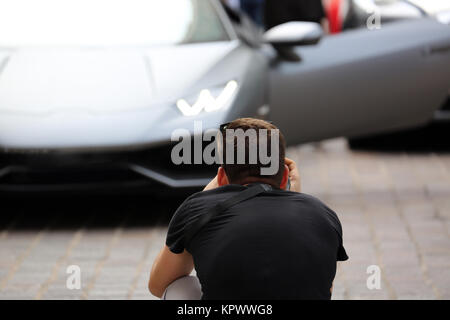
<point>92,90</point>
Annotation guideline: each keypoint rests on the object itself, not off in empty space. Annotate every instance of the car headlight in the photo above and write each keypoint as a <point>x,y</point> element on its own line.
<point>208,100</point>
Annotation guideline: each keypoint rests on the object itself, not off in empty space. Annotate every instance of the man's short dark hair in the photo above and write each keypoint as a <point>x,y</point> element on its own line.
<point>246,173</point>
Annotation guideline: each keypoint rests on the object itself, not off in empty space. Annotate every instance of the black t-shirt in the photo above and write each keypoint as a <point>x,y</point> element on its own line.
<point>277,245</point>
<point>280,11</point>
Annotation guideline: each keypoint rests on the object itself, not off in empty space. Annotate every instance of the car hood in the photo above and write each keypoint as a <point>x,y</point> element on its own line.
<point>78,99</point>
<point>53,80</point>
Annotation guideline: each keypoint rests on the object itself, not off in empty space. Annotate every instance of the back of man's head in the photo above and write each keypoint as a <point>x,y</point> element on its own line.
<point>253,151</point>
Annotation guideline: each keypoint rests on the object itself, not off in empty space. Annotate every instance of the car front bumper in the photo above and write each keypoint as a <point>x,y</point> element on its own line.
<point>56,171</point>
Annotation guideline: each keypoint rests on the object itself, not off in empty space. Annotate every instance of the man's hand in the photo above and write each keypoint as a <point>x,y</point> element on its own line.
<point>294,175</point>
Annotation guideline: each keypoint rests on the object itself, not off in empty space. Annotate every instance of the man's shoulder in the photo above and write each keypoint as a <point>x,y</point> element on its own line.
<point>298,196</point>
<point>226,191</point>
<point>216,193</point>
<point>202,199</point>
<point>316,206</point>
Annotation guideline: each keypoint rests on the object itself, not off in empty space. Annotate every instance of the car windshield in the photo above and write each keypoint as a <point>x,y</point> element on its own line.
<point>108,22</point>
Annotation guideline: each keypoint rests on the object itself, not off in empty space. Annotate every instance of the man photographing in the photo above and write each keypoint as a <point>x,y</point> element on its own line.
<point>247,236</point>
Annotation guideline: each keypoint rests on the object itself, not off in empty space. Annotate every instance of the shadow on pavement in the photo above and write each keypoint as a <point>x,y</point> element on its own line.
<point>30,213</point>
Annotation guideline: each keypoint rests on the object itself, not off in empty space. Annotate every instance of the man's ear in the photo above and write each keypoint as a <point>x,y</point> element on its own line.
<point>222,178</point>
<point>285,179</point>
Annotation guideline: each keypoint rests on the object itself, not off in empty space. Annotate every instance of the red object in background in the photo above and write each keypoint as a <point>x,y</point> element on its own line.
<point>334,16</point>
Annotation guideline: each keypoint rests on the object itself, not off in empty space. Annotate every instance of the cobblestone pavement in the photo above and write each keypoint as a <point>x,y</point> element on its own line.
<point>394,208</point>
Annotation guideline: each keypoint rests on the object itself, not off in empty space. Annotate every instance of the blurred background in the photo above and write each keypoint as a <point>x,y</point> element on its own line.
<point>93,92</point>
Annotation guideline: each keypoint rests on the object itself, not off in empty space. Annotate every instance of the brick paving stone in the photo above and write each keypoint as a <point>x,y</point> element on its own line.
<point>413,290</point>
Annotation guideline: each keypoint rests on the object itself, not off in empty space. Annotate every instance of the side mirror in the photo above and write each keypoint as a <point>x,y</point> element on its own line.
<point>294,33</point>
<point>287,35</point>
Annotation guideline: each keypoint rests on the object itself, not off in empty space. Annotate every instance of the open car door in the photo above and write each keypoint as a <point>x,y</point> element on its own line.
<point>362,82</point>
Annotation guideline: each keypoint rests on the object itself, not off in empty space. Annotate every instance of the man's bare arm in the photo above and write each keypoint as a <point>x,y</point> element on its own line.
<point>167,268</point>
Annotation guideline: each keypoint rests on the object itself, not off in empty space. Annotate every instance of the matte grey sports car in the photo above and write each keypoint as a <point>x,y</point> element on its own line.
<point>91,90</point>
